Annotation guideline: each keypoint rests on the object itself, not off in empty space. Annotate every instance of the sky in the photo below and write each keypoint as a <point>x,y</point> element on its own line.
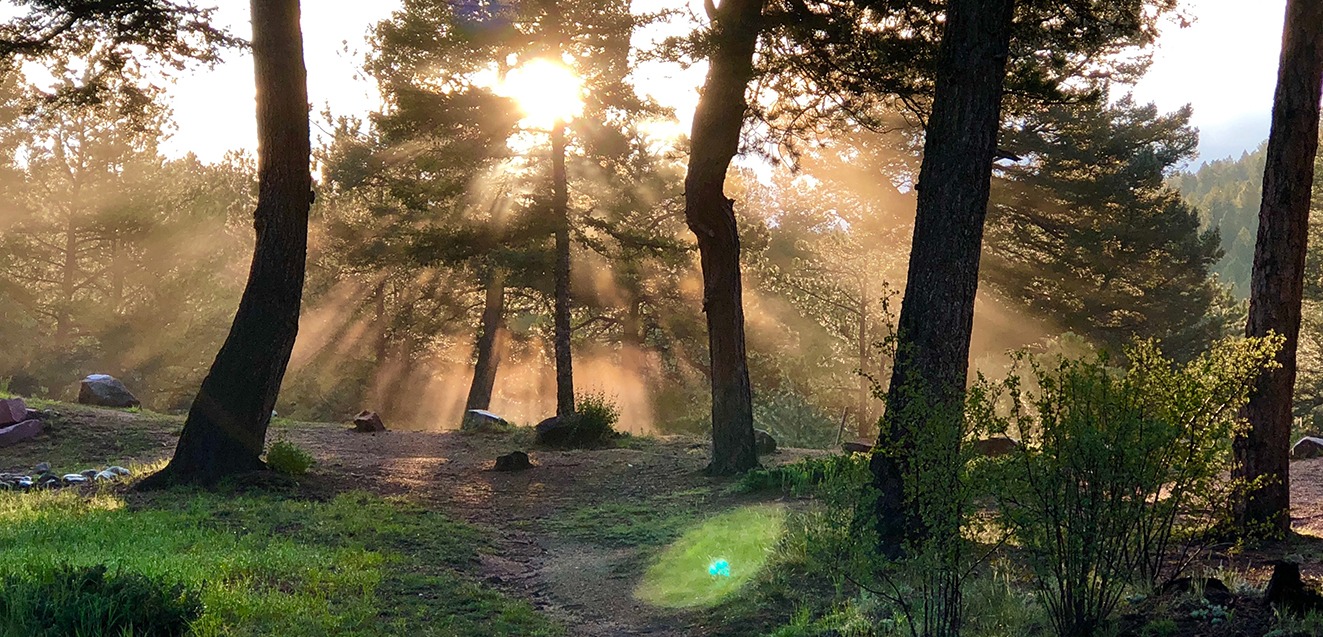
<point>1224,65</point>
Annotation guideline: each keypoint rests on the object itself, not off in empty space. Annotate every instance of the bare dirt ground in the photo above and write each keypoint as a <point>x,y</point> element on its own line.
<point>586,586</point>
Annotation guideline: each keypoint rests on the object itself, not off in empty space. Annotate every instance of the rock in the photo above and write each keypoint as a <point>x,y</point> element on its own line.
<point>1211,588</point>
<point>857,447</point>
<point>368,422</point>
<point>13,411</point>
<point>42,467</point>
<point>103,390</point>
<point>483,421</point>
<point>513,461</point>
<point>554,432</point>
<point>1307,447</point>
<point>119,471</point>
<point>763,442</point>
<point>1287,591</point>
<point>14,434</point>
<point>995,446</point>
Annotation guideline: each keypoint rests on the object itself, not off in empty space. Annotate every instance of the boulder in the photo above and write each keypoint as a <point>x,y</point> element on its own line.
<point>16,433</point>
<point>13,411</point>
<point>513,461</point>
<point>105,391</point>
<point>763,442</point>
<point>368,422</point>
<point>1212,589</point>
<point>995,446</point>
<point>483,421</point>
<point>554,432</point>
<point>1307,447</point>
<point>857,447</point>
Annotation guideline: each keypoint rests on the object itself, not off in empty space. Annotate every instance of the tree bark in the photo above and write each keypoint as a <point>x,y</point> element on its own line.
<point>226,427</point>
<point>937,311</point>
<point>1277,282</point>
<point>489,355</point>
<point>560,208</point>
<point>863,427</point>
<point>711,216</point>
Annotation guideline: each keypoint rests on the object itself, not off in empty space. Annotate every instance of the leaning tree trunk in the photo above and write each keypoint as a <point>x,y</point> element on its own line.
<point>562,337</point>
<point>1276,286</point>
<point>489,345</point>
<point>711,215</point>
<point>937,311</point>
<point>226,427</point>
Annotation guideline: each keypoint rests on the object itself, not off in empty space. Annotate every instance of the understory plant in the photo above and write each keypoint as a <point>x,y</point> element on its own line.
<point>93,600</point>
<point>1121,472</point>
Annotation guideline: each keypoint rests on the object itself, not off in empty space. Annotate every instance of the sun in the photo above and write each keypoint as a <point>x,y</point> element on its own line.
<point>546,91</point>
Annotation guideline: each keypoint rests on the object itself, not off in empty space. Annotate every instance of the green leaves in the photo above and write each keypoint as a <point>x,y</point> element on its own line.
<point>1121,471</point>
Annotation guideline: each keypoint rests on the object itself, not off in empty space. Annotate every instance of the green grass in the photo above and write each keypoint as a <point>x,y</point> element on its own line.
<point>267,565</point>
<point>744,538</point>
<point>624,524</point>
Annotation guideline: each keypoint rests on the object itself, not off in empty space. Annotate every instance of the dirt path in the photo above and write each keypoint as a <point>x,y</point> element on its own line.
<point>587,586</point>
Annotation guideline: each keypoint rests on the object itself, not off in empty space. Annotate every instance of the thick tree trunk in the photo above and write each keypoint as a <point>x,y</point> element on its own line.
<point>1277,283</point>
<point>711,215</point>
<point>560,207</point>
<point>937,312</point>
<point>489,354</point>
<point>226,427</point>
<point>862,425</point>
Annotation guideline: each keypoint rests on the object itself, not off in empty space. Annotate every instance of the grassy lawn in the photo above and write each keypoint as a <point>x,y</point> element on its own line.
<point>265,564</point>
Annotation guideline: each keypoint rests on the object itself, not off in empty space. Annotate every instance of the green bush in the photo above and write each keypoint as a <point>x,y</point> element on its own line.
<point>793,420</point>
<point>93,601</point>
<point>805,477</point>
<point>1120,472</point>
<point>288,458</point>
<point>591,425</point>
<point>595,418</point>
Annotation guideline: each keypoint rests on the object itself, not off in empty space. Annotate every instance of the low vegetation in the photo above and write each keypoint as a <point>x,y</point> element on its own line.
<point>260,564</point>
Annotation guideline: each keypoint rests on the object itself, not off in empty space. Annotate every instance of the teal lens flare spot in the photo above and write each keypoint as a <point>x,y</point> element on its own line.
<point>695,570</point>
<point>719,568</point>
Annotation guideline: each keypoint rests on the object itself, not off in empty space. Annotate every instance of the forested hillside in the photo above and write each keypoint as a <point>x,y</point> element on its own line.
<point>1227,193</point>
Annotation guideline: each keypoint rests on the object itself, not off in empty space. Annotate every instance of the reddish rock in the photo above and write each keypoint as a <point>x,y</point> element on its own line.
<point>13,410</point>
<point>857,447</point>
<point>19,432</point>
<point>995,446</point>
<point>368,422</point>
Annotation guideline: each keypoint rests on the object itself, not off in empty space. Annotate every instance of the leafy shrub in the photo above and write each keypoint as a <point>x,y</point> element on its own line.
<point>288,458</point>
<point>1117,470</point>
<point>794,421</point>
<point>93,601</point>
<point>591,425</point>
<point>805,477</point>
